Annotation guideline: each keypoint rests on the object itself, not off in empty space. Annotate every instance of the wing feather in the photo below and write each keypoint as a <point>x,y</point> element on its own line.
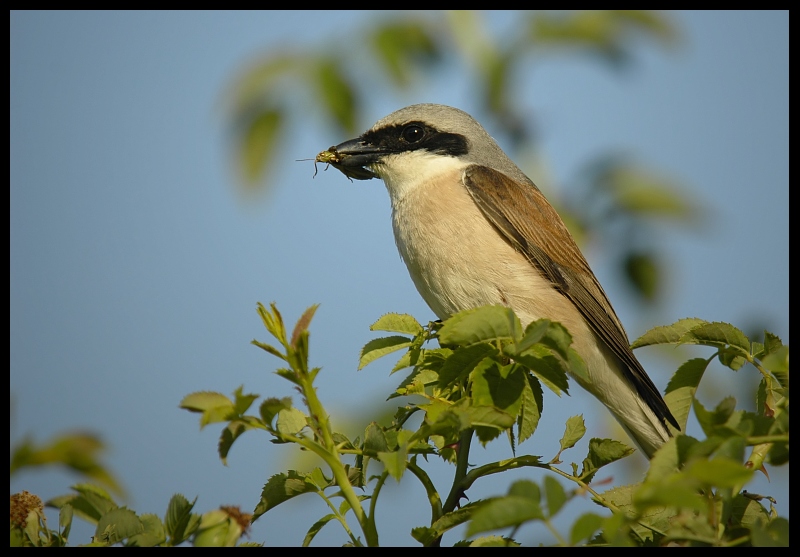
<point>549,246</point>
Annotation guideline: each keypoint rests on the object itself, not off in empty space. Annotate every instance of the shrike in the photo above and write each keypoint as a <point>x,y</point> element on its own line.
<point>474,230</point>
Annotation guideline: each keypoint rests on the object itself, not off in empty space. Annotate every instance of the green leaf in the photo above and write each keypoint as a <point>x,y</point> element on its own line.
<point>117,525</point>
<point>574,431</point>
<point>577,367</point>
<point>462,361</point>
<point>558,340</point>
<point>747,513</point>
<point>498,386</point>
<point>771,344</point>
<point>179,519</point>
<point>316,527</point>
<point>494,541</point>
<point>478,324</point>
<point>670,457</point>
<point>489,422</point>
<point>379,347</point>
<point>242,401</point>
<point>667,334</point>
<point>556,496</point>
<point>408,359</point>
<point>91,503</point>
<point>282,487</point>
<point>375,439</point>
<point>520,506</point>
<point>269,348</point>
<point>65,514</point>
<point>682,388</point>
<point>448,521</point>
<point>395,462</point>
<point>215,407</point>
<point>719,471</point>
<point>775,534</point>
<point>271,406</point>
<point>602,452</point>
<point>585,527</point>
<point>288,374</point>
<point>616,527</point>
<point>777,360</point>
<point>534,333</point>
<point>532,406</point>
<point>712,421</point>
<point>152,535</point>
<point>397,323</point>
<point>229,434</point>
<point>717,334</point>
<point>547,367</point>
<point>273,321</point>
<point>290,421</point>
<point>676,490</point>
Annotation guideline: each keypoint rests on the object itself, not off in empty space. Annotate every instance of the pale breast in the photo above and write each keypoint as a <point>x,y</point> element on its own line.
<point>457,259</point>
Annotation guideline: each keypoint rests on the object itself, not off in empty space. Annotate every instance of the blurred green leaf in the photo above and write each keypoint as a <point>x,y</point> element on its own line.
<point>117,525</point>
<point>257,144</point>
<point>555,494</point>
<point>604,33</point>
<point>402,47</point>
<point>78,451</point>
<point>519,506</point>
<point>775,534</point>
<point>336,93</point>
<point>644,274</point>
<point>152,535</point>
<point>640,191</point>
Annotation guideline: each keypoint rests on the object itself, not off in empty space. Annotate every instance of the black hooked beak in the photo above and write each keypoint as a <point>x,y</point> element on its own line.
<point>351,157</point>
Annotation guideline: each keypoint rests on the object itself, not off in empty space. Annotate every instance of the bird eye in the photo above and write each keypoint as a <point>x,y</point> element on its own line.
<point>413,133</point>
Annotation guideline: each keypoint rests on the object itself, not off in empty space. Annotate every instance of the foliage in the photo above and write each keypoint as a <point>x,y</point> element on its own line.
<point>484,379</point>
<point>478,375</point>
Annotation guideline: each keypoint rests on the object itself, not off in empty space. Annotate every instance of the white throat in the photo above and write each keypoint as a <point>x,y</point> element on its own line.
<point>404,172</point>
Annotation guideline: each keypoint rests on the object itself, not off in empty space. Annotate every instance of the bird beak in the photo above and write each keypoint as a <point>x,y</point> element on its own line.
<point>351,157</point>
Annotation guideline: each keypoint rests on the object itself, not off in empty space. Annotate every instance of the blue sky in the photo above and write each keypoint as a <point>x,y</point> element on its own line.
<point>136,264</point>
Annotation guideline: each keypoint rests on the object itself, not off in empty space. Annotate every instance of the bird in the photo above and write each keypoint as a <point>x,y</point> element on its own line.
<point>474,230</point>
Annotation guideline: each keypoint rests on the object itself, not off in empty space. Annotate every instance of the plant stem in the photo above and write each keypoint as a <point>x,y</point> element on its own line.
<point>457,490</point>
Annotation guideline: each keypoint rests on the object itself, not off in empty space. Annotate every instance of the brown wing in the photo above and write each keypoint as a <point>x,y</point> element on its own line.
<point>549,246</point>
